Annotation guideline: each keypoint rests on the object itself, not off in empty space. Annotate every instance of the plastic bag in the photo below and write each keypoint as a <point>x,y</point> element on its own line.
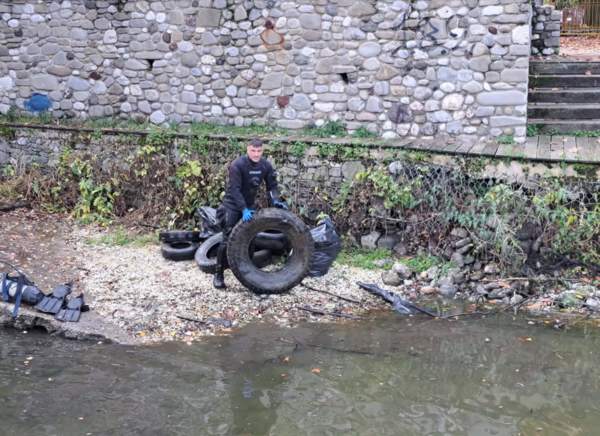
<point>327,248</point>
<point>209,223</point>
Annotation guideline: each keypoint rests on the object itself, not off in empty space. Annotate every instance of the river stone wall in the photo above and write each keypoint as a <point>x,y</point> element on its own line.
<point>546,24</point>
<point>396,67</point>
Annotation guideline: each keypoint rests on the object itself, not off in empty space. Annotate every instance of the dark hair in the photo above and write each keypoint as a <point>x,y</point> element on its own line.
<point>255,143</point>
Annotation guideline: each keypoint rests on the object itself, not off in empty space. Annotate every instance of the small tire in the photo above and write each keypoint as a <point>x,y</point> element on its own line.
<point>206,255</point>
<point>297,265</point>
<point>179,235</point>
<point>179,250</point>
<point>262,258</point>
<point>271,241</point>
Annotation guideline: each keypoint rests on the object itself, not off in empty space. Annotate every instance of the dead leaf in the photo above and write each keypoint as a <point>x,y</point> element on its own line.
<point>503,285</point>
<point>565,140</point>
<point>525,339</point>
<point>554,89</point>
<point>316,370</point>
<point>142,334</point>
<point>283,375</point>
<point>286,359</point>
<point>588,73</point>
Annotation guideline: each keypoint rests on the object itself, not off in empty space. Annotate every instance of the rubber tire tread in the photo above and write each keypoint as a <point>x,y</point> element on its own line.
<point>179,235</point>
<point>271,241</point>
<point>262,258</point>
<point>170,252</point>
<point>298,265</point>
<point>207,264</point>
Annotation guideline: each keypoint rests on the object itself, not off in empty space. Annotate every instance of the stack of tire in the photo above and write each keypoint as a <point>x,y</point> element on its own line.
<point>187,245</point>
<point>272,232</point>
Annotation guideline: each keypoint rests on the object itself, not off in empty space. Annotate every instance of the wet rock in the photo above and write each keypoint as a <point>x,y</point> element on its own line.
<point>480,290</point>
<point>516,299</point>
<point>457,259</point>
<point>391,279</point>
<point>476,277</point>
<point>428,290</point>
<point>370,240</point>
<point>447,291</point>
<point>499,294</point>
<point>402,270</point>
<point>592,304</point>
<point>491,269</point>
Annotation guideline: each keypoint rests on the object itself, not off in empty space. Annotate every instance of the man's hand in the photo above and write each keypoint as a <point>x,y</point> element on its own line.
<point>247,214</point>
<point>280,205</point>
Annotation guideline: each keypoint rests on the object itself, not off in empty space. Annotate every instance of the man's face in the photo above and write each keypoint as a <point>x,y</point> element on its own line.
<point>254,152</point>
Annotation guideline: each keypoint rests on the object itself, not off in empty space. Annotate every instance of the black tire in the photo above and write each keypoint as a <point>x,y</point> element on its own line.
<point>179,250</point>
<point>297,266</point>
<point>275,241</point>
<point>179,235</point>
<point>262,258</point>
<point>206,256</point>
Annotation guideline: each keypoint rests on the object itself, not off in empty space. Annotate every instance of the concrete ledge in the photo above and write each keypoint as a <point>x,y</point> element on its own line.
<point>91,327</point>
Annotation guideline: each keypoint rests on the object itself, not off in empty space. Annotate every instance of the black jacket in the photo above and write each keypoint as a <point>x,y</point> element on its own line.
<point>245,178</point>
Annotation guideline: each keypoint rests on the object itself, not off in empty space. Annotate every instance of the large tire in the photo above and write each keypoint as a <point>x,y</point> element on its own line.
<point>206,256</point>
<point>179,235</point>
<point>180,250</point>
<point>275,241</point>
<point>297,266</point>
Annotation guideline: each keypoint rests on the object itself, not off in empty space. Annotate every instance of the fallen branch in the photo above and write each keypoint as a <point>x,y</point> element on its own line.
<point>222,322</point>
<point>192,319</point>
<point>11,207</point>
<point>321,312</point>
<point>333,295</point>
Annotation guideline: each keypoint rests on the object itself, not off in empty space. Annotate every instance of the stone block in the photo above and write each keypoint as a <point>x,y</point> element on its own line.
<point>208,17</point>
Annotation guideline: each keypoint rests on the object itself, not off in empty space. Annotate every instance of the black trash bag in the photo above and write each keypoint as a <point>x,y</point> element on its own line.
<point>327,248</point>
<point>401,305</point>
<point>209,223</point>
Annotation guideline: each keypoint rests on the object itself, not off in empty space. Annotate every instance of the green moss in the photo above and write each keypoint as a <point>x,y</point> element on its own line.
<point>7,132</point>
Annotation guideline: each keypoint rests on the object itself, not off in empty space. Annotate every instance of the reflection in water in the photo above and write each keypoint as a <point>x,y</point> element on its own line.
<point>381,377</point>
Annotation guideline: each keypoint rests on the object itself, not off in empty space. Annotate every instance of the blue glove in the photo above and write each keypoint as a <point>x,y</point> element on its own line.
<point>280,205</point>
<point>247,214</point>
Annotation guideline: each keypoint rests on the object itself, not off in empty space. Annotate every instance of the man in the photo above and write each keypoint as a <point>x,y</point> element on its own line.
<point>246,173</point>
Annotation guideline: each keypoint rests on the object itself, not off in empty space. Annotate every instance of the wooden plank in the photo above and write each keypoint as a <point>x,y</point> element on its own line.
<point>505,150</point>
<point>451,148</point>
<point>490,149</point>
<point>571,150</point>
<point>594,147</point>
<point>543,150</point>
<point>557,148</point>
<point>464,148</point>
<point>531,147</point>
<point>438,146</point>
<point>426,145</point>
<point>478,147</point>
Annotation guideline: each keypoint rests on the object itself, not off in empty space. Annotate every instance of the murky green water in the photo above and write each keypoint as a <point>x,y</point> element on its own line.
<point>382,377</point>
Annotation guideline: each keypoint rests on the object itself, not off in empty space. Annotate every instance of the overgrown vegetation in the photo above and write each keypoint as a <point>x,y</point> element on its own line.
<point>162,180</point>
<point>364,258</point>
<point>506,139</point>
<point>533,129</point>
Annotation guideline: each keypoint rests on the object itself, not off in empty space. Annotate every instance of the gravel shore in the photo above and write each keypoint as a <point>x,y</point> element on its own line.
<point>143,293</point>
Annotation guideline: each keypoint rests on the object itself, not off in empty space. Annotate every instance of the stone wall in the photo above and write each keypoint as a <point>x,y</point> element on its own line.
<point>396,67</point>
<point>546,24</point>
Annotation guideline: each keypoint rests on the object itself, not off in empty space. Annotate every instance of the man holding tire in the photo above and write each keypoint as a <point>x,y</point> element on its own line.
<point>246,173</point>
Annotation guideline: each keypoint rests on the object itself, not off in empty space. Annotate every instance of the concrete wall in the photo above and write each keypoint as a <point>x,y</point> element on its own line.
<point>397,67</point>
